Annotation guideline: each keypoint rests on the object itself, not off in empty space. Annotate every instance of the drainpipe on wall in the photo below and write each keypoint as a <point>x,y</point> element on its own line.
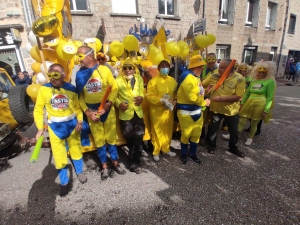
<point>283,35</point>
<point>28,12</point>
<point>25,13</point>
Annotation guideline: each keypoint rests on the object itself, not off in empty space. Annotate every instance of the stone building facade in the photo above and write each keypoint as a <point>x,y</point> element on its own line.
<point>245,30</point>
<point>13,37</point>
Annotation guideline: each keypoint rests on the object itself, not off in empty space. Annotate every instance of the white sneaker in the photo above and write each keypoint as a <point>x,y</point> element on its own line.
<point>156,158</point>
<point>172,154</point>
<point>226,136</point>
<point>249,141</point>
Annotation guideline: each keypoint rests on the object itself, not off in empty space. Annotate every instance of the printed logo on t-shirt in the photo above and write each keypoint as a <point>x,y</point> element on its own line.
<point>93,85</point>
<point>257,86</point>
<point>60,101</point>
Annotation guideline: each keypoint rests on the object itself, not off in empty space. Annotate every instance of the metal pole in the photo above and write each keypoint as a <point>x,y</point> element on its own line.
<point>283,36</point>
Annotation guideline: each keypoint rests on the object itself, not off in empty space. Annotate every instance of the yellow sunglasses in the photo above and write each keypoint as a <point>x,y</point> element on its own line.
<point>81,56</point>
<point>243,68</point>
<point>211,60</point>
<point>262,69</point>
<point>54,75</point>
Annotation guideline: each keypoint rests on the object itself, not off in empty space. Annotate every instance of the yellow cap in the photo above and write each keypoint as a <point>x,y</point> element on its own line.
<point>196,61</point>
<point>128,61</point>
<point>162,61</point>
<point>146,63</point>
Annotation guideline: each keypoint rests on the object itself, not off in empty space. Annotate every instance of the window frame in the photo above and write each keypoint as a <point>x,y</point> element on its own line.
<point>125,13</point>
<point>249,23</point>
<point>253,50</point>
<point>221,11</point>
<point>293,31</point>
<point>272,15</point>
<point>166,9</point>
<point>227,49</point>
<point>79,10</point>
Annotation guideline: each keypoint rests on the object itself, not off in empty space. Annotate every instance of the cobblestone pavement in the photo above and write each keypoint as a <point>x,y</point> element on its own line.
<point>262,188</point>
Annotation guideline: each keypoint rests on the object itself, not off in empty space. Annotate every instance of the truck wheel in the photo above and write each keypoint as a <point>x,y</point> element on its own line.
<point>20,104</point>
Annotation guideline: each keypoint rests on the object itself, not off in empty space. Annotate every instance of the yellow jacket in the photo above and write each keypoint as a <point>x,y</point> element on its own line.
<point>62,102</point>
<point>188,92</point>
<point>126,93</point>
<point>95,88</point>
<point>233,85</point>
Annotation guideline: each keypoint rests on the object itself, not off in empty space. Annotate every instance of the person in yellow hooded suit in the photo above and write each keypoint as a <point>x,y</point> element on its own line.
<point>65,123</point>
<point>161,94</point>
<point>129,101</point>
<point>92,80</point>
<point>190,99</point>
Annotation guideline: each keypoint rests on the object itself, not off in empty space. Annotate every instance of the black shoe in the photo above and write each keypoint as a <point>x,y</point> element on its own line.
<point>136,168</point>
<point>64,190</point>
<point>247,130</point>
<point>104,174</point>
<point>237,152</point>
<point>202,142</point>
<point>183,158</point>
<point>194,158</point>
<point>119,169</point>
<point>257,133</point>
<point>211,150</point>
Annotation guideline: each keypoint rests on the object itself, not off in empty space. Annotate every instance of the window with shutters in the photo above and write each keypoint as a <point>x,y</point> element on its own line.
<point>78,5</point>
<point>292,24</point>
<point>226,11</point>
<point>271,15</point>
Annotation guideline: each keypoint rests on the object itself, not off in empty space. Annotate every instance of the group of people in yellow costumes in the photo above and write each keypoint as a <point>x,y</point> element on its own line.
<point>73,112</point>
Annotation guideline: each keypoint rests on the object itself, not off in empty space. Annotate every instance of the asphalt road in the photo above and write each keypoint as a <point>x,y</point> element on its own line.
<point>262,188</point>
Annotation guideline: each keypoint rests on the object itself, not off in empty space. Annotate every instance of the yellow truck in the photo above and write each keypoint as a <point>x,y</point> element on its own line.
<point>15,110</point>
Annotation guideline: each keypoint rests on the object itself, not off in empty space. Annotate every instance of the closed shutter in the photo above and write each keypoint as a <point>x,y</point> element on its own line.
<point>255,13</point>
<point>231,8</point>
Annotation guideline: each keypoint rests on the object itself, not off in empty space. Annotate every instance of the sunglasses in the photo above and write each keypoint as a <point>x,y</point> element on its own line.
<point>127,67</point>
<point>54,75</point>
<point>243,68</point>
<point>211,59</point>
<point>262,69</point>
<point>81,56</point>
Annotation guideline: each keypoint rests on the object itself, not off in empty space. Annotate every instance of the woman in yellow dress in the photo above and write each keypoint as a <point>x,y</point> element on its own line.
<point>258,101</point>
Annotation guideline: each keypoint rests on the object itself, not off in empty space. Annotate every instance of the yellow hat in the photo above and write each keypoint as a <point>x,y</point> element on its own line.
<point>162,61</point>
<point>196,61</point>
<point>146,63</point>
<point>128,61</point>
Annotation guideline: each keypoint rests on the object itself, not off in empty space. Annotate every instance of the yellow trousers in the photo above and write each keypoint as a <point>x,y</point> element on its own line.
<point>190,129</point>
<point>104,132</point>
<point>59,150</point>
<point>162,124</point>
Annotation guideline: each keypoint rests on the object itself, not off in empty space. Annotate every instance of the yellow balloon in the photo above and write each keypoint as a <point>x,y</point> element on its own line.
<point>114,58</point>
<point>34,79</point>
<point>184,49</point>
<point>98,45</point>
<point>202,41</point>
<point>78,43</point>
<point>116,48</point>
<point>35,54</point>
<point>212,38</point>
<point>130,43</point>
<point>36,67</point>
<point>45,25</point>
<point>60,53</point>
<point>172,48</point>
<point>32,90</point>
<point>155,54</point>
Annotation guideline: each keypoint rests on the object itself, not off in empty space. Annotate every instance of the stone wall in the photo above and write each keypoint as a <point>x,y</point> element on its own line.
<point>16,5</point>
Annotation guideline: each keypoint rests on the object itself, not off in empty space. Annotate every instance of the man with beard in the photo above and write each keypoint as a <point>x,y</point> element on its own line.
<point>92,80</point>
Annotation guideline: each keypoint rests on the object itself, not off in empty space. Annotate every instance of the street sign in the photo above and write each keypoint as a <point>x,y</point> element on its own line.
<point>199,26</point>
